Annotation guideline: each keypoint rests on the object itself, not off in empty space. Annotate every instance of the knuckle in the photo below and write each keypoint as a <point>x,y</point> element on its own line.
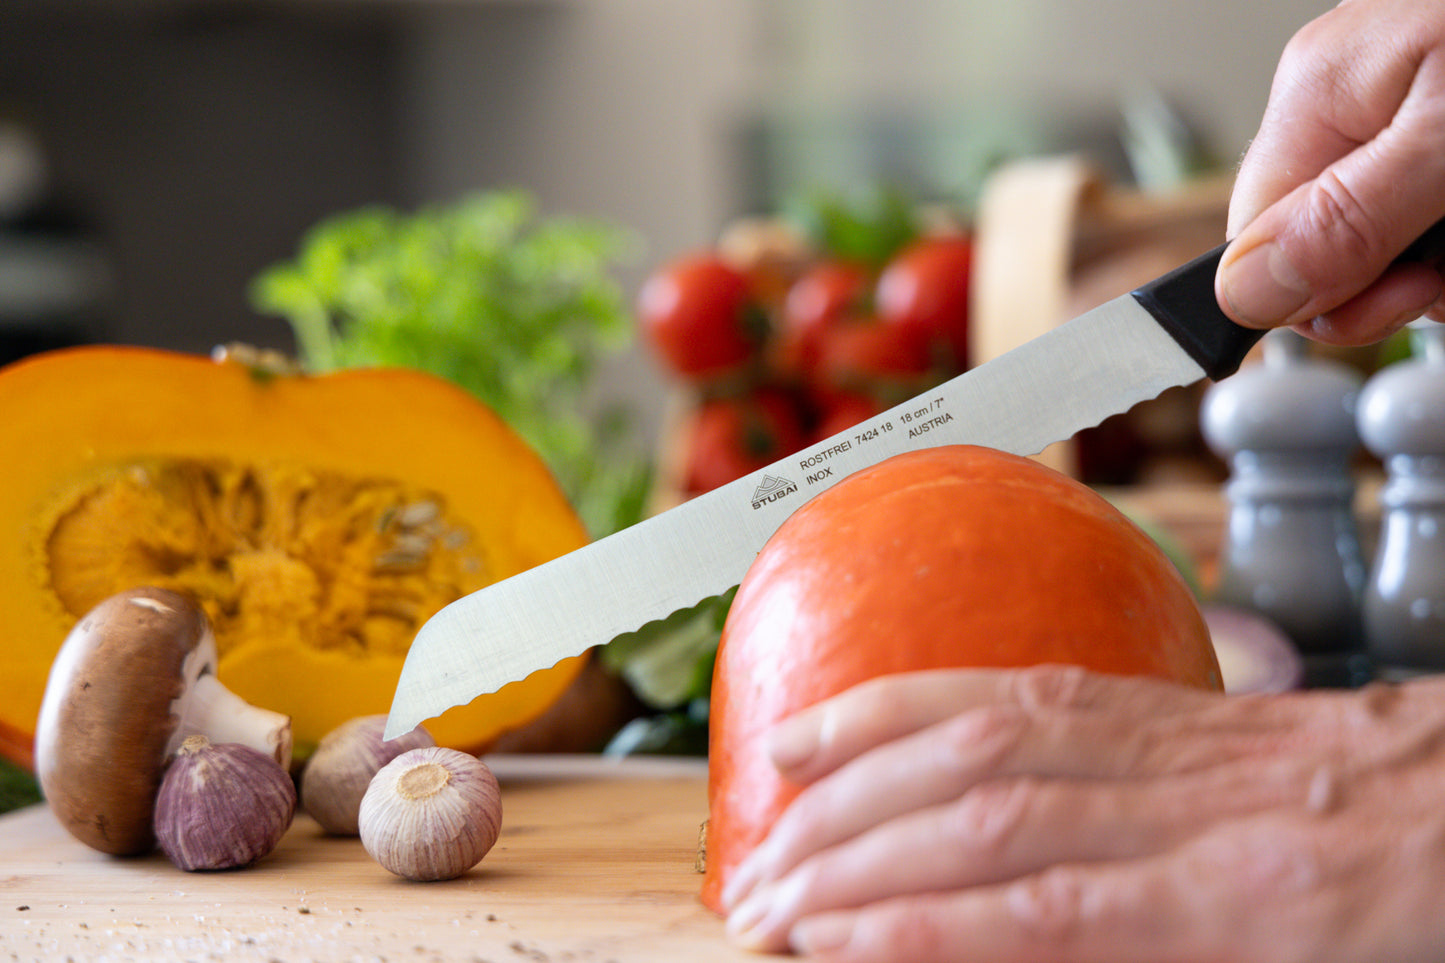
<point>987,820</point>
<point>1311,68</point>
<point>1311,45</point>
<point>1050,908</point>
<point>1287,865</point>
<point>1284,863</point>
<point>907,929</point>
<point>1054,687</point>
<point>1322,53</point>
<point>1268,857</point>
<point>1334,211</point>
<point>1379,703</point>
<point>987,734</point>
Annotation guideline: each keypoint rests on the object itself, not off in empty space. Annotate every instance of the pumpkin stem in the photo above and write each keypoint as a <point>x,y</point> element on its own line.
<point>264,363</point>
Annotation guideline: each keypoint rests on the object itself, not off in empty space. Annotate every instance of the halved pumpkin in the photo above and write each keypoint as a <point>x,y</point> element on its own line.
<point>318,519</point>
<point>947,557</point>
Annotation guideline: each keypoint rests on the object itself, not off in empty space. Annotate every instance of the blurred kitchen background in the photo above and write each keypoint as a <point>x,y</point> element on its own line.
<point>156,155</point>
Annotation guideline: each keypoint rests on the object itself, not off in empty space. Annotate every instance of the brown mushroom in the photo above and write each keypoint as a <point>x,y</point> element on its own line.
<point>134,678</point>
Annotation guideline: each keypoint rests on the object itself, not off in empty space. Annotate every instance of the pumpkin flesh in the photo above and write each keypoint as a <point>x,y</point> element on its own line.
<point>314,559</point>
<point>947,557</point>
<point>318,520</point>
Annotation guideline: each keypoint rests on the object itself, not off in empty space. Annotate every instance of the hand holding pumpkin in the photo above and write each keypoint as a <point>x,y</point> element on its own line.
<point>934,559</point>
<point>1054,813</point>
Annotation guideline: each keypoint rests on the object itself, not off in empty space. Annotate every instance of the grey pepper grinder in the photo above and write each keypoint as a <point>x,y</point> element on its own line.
<point>1291,548</point>
<point>1402,420</point>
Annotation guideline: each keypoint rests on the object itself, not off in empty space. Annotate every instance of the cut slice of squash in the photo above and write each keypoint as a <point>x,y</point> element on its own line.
<point>319,520</point>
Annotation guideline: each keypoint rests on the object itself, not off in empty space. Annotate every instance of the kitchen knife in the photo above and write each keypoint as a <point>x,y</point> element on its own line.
<point>1169,332</point>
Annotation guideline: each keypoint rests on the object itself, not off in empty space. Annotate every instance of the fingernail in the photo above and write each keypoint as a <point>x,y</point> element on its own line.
<point>793,742</point>
<point>819,934</point>
<point>1262,287</point>
<point>744,878</point>
<point>1323,328</point>
<point>744,922</point>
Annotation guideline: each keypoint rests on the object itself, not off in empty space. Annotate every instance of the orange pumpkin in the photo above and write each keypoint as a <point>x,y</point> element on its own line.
<point>953,556</point>
<point>317,519</point>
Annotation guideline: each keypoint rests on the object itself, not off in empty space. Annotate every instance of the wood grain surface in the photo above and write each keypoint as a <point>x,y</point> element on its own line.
<point>595,864</point>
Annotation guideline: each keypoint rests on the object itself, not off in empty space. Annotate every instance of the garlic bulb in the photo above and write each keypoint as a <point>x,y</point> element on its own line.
<point>222,805</point>
<point>338,772</point>
<point>431,814</point>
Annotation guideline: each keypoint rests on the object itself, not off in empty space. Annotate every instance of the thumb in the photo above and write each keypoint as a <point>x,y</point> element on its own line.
<point>1326,251</point>
<point>1334,211</point>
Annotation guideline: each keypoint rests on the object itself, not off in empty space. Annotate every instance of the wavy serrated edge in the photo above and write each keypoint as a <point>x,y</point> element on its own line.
<point>680,615</point>
<point>396,727</point>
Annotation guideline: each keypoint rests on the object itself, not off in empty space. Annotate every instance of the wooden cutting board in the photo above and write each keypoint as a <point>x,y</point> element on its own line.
<point>595,864</point>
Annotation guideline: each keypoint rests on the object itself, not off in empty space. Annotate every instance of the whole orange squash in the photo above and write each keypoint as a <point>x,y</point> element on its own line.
<point>318,520</point>
<point>952,556</point>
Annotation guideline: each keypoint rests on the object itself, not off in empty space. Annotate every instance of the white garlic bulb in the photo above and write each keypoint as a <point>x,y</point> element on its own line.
<point>340,770</point>
<point>431,814</point>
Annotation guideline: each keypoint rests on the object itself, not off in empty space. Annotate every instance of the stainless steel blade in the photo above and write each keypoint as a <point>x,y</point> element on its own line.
<point>1097,365</point>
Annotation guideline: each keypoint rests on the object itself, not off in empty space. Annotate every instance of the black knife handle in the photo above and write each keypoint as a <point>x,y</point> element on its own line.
<point>1183,303</point>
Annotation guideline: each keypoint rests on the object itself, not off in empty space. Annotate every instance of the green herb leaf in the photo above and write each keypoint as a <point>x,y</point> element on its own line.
<point>865,227</point>
<point>516,308</point>
<point>668,663</point>
<point>17,787</point>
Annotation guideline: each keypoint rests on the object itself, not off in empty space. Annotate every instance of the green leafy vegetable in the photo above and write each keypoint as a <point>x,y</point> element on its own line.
<point>864,226</point>
<point>677,732</point>
<point>668,663</point>
<point>516,308</point>
<point>17,787</point>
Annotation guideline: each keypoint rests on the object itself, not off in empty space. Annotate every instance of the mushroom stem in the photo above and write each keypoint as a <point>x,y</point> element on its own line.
<point>212,710</point>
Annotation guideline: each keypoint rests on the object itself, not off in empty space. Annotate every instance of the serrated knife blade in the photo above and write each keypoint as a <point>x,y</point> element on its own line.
<point>1169,332</point>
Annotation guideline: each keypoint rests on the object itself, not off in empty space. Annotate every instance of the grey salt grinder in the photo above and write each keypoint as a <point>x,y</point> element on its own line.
<point>1291,548</point>
<point>1402,420</point>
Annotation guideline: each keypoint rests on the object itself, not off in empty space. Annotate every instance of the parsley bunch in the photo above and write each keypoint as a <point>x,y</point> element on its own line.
<point>516,308</point>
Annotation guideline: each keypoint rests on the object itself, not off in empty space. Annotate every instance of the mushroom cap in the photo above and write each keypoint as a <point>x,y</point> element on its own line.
<point>106,722</point>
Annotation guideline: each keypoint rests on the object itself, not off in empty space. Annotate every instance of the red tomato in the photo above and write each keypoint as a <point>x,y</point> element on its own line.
<point>865,355</point>
<point>698,313</point>
<point>731,436</point>
<point>924,290</point>
<point>843,410</point>
<point>823,297</point>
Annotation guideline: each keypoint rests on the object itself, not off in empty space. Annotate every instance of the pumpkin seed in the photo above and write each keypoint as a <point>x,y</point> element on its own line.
<point>338,562</point>
<point>417,514</point>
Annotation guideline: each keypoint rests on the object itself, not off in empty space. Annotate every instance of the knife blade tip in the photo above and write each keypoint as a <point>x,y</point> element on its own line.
<point>398,724</point>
